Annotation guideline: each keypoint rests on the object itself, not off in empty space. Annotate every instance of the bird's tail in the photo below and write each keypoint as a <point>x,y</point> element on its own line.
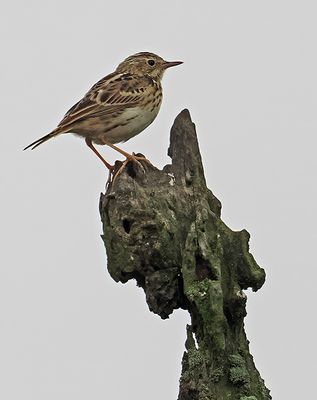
<point>43,139</point>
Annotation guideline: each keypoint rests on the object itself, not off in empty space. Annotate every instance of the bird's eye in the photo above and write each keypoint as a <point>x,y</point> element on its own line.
<point>151,62</point>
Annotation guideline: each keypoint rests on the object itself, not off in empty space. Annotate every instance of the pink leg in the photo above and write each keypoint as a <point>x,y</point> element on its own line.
<point>91,146</point>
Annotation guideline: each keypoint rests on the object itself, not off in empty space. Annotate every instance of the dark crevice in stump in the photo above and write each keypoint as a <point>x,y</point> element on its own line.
<point>163,229</point>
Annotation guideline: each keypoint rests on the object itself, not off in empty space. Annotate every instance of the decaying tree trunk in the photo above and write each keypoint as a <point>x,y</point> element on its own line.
<point>163,229</point>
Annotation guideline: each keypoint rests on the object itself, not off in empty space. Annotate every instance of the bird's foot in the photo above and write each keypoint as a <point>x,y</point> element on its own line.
<point>141,157</point>
<point>128,164</point>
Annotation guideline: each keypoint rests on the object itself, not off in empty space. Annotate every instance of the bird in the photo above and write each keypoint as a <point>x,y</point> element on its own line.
<point>118,107</point>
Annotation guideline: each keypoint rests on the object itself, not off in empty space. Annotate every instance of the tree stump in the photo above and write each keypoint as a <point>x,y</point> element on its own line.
<point>163,229</point>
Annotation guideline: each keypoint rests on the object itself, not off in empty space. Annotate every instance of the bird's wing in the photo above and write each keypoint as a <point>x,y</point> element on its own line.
<point>111,95</point>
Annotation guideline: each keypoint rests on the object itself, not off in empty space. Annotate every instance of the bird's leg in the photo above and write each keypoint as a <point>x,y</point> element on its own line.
<point>109,166</point>
<point>129,157</point>
<point>91,146</point>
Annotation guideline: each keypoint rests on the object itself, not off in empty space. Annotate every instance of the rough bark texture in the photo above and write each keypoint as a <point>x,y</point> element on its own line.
<point>163,229</point>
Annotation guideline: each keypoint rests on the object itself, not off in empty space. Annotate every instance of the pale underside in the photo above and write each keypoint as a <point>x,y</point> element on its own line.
<point>118,128</point>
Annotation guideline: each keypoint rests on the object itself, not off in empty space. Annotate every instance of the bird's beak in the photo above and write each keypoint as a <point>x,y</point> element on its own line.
<point>168,64</point>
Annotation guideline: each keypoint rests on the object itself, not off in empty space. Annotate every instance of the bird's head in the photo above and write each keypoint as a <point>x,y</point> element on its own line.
<point>146,64</point>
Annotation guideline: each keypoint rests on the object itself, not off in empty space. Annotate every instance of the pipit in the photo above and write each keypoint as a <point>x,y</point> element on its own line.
<point>118,107</point>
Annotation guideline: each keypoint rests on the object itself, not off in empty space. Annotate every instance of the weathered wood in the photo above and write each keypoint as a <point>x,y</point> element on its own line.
<point>163,229</point>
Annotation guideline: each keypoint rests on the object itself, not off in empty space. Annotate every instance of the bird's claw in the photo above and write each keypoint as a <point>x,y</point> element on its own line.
<point>132,158</point>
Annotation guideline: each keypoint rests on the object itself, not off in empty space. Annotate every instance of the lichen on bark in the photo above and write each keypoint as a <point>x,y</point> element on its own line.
<point>163,229</point>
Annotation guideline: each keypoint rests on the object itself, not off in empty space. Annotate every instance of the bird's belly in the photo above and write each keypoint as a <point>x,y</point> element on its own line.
<point>129,124</point>
<point>119,128</point>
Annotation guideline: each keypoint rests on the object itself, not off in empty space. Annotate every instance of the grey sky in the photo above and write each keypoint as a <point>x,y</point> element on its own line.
<point>249,80</point>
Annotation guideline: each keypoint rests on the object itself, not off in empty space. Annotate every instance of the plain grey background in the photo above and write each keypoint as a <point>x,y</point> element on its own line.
<point>249,80</point>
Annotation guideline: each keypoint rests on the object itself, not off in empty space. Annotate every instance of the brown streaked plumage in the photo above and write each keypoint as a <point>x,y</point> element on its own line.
<point>118,107</point>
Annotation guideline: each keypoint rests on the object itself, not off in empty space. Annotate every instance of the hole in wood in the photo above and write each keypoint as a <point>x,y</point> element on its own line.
<point>203,269</point>
<point>127,225</point>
